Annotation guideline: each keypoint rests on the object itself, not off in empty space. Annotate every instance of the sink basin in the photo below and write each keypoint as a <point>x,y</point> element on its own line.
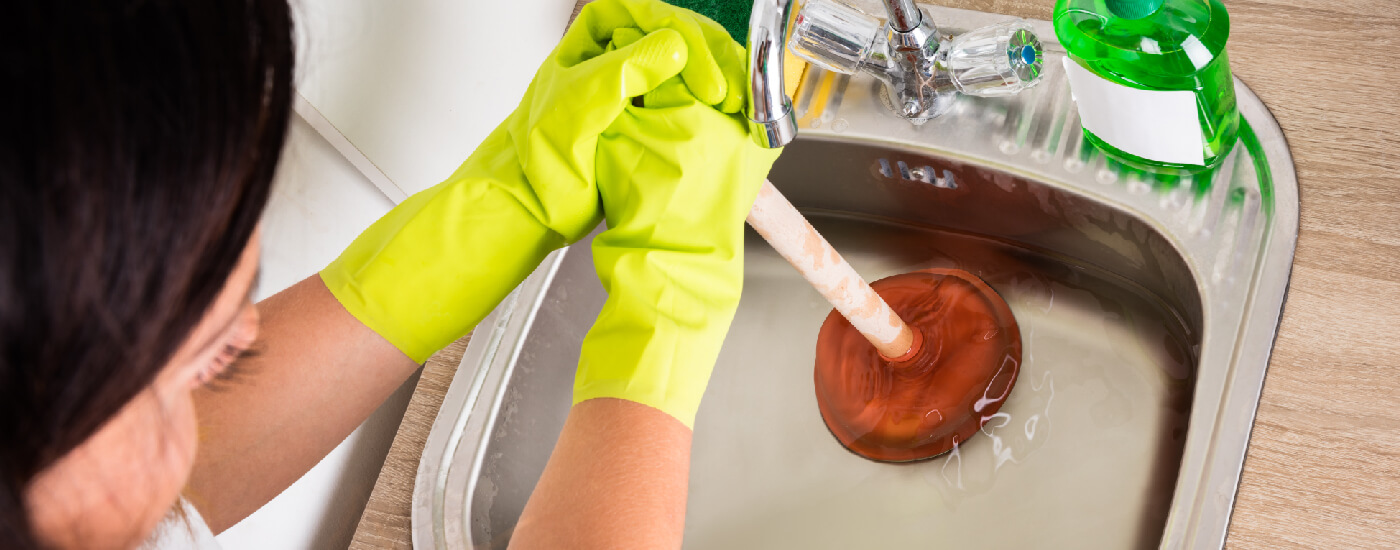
<point>1147,307</point>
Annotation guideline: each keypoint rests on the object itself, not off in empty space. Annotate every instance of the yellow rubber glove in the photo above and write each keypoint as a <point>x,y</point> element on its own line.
<point>433,267</point>
<point>677,178</point>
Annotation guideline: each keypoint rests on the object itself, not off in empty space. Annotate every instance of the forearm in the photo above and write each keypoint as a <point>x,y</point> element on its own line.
<point>617,479</point>
<point>317,374</point>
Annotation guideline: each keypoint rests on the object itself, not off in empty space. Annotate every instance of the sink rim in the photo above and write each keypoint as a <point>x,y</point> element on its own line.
<point>1212,461</point>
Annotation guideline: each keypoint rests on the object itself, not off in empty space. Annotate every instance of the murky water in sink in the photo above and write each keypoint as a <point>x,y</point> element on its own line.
<point>1083,455</point>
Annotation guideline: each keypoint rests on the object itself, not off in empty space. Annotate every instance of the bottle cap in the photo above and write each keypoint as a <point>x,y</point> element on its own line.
<point>1133,9</point>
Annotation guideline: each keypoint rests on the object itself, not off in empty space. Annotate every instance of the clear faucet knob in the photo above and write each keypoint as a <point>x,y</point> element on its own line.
<point>998,60</point>
<point>833,35</point>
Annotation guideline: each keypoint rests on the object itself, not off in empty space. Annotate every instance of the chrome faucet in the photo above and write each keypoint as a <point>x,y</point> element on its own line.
<point>771,122</point>
<point>922,69</point>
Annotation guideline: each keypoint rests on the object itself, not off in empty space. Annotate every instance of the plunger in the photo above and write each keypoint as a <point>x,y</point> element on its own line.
<point>887,390</point>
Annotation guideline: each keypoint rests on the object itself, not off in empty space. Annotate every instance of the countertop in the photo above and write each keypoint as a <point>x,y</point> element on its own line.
<point>1323,467</point>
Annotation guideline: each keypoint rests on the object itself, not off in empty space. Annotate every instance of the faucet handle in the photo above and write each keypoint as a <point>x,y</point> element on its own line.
<point>998,60</point>
<point>833,35</point>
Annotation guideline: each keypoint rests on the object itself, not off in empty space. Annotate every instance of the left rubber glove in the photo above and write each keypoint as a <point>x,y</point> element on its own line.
<point>677,177</point>
<point>435,265</point>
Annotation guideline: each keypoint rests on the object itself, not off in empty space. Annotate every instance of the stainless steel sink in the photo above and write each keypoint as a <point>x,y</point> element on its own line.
<point>1147,306</point>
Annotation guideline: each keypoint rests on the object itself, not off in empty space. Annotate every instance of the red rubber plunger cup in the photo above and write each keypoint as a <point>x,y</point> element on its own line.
<point>964,363</point>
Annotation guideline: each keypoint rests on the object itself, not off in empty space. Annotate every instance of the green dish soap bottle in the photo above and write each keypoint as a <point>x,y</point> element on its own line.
<point>1151,79</point>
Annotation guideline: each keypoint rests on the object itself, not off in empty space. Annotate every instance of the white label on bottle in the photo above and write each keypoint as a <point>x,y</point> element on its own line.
<point>1155,125</point>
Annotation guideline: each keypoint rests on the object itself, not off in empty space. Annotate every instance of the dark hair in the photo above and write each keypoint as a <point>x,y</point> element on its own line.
<point>137,148</point>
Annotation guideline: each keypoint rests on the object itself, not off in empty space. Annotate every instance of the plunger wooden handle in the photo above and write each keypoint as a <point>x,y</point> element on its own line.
<point>779,222</point>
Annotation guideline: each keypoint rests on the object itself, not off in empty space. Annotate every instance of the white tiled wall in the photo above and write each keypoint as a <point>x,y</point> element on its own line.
<point>415,85</point>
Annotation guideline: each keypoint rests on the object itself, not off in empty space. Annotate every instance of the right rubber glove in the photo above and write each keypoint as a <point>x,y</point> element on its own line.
<point>677,177</point>
<point>434,266</point>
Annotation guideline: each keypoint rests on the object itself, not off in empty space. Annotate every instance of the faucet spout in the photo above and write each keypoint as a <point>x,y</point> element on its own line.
<point>769,110</point>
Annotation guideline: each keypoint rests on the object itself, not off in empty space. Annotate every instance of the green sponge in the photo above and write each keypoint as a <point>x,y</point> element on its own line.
<point>733,15</point>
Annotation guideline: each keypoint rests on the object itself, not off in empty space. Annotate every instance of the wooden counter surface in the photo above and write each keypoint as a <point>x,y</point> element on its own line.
<point>1323,469</point>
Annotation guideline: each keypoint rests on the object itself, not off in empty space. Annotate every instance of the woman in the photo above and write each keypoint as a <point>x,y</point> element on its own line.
<point>136,378</point>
